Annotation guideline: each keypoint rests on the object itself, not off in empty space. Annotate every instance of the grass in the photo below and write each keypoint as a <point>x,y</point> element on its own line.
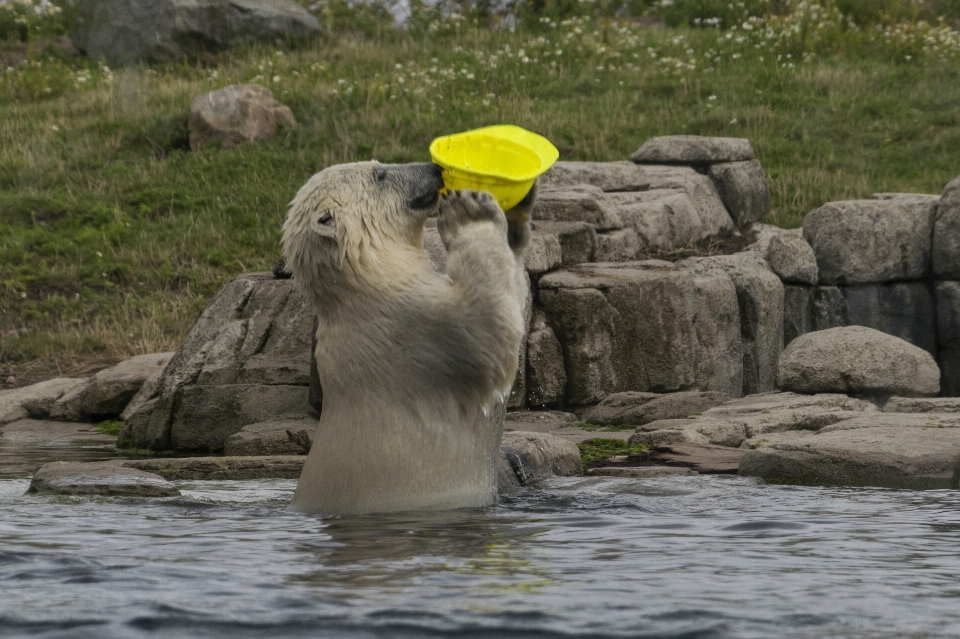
<point>110,427</point>
<point>601,448</point>
<point>113,234</point>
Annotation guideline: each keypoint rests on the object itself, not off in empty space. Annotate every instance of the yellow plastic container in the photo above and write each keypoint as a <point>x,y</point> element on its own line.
<point>502,159</point>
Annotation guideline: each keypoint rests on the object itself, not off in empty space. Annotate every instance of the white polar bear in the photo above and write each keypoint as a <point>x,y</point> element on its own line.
<point>411,361</point>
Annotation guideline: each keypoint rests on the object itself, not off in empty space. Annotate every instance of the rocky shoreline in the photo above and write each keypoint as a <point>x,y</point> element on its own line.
<point>809,356</point>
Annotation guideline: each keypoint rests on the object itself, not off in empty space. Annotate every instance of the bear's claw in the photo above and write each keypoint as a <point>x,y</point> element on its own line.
<point>459,208</point>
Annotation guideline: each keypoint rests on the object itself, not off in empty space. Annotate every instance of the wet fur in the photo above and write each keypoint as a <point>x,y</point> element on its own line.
<point>411,361</point>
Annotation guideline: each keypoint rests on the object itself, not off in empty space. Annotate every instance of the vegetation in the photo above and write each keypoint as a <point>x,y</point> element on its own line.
<point>112,233</point>
<point>601,448</point>
<point>110,427</point>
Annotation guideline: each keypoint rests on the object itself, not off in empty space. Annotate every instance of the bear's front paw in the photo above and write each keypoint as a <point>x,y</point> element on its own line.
<point>459,208</point>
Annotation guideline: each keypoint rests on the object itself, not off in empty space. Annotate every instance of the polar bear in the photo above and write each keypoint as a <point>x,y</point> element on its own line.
<point>412,361</point>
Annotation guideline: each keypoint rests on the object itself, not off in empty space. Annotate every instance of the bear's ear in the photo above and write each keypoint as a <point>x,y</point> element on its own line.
<point>324,223</point>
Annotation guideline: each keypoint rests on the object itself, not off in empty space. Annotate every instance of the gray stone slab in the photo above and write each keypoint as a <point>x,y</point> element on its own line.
<point>578,240</point>
<point>886,456</point>
<point>269,438</point>
<point>792,259</point>
<point>904,309</point>
<point>642,408</point>
<point>946,234</point>
<point>744,190</point>
<point>857,360</point>
<point>871,241</point>
<point>609,176</point>
<point>693,149</point>
<point>580,203</point>
<point>99,478</point>
<point>35,400</point>
<point>797,312</point>
<point>537,456</point>
<point>546,375</point>
<point>922,405</point>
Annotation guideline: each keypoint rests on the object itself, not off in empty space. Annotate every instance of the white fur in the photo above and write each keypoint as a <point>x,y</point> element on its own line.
<point>410,360</point>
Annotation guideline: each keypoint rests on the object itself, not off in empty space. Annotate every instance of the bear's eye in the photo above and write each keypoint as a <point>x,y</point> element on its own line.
<point>325,218</point>
<point>380,175</point>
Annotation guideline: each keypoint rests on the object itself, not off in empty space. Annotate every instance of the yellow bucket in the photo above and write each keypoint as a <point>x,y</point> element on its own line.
<point>502,159</point>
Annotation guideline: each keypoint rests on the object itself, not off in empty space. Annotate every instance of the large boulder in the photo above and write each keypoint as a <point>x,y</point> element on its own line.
<point>886,456</point>
<point>169,30</point>
<point>99,478</point>
<point>642,408</point>
<point>271,438</point>
<point>577,240</point>
<point>760,296</point>
<point>857,360</point>
<point>645,326</point>
<point>246,360</point>
<point>797,312</point>
<point>236,114</point>
<point>948,336</point>
<point>112,389</point>
<point>608,176</point>
<point>903,309</point>
<point>946,234</point>
<point>792,259</point>
<point>536,456</point>
<point>546,376</point>
<point>580,203</point>
<point>744,190</point>
<point>35,400</point>
<point>693,149</point>
<point>871,241</point>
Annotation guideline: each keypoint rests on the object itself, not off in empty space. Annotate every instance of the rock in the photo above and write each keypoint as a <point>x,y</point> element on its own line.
<point>695,431</point>
<point>948,336</point>
<point>236,114</point>
<point>829,308</point>
<point>926,198</point>
<point>710,209</point>
<point>719,334</point>
<point>518,392</point>
<point>640,472</point>
<point>608,176</point>
<point>541,416</point>
<point>693,149</point>
<point>902,309</point>
<point>246,360</point>
<point>797,312</point>
<point>35,400</point>
<point>663,219</point>
<point>149,387</point>
<point>905,421</point>
<point>771,439</point>
<point>209,414</point>
<point>112,389</point>
<point>792,259</point>
<point>888,457</point>
<point>766,403</point>
<point>858,360</point>
<point>760,296</point>
<point>136,426</point>
<point>536,456</point>
<point>634,326</point>
<point>99,478</point>
<point>221,468</point>
<point>702,458</point>
<point>922,405</point>
<point>27,444</point>
<point>643,408</point>
<point>580,203</point>
<point>744,190</point>
<point>269,438</point>
<point>617,246</point>
<point>578,240</point>
<point>546,377</point>
<point>69,407</point>
<point>507,481</point>
<point>170,30</point>
<point>892,240</point>
<point>946,234</point>
<point>543,254</point>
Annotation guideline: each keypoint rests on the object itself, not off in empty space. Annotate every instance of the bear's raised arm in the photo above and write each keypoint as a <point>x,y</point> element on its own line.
<point>485,263</point>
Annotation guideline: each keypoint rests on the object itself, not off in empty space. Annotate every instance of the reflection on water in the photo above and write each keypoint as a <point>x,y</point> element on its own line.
<point>601,557</point>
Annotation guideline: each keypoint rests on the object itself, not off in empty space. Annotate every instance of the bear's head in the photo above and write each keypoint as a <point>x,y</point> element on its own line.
<point>351,223</point>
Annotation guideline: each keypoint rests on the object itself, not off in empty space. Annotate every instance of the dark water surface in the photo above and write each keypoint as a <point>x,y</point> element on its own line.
<point>698,557</point>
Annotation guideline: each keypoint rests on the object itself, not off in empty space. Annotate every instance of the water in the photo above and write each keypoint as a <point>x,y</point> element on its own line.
<point>702,557</point>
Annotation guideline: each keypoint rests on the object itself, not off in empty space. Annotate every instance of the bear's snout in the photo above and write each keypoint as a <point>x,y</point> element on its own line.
<point>427,185</point>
